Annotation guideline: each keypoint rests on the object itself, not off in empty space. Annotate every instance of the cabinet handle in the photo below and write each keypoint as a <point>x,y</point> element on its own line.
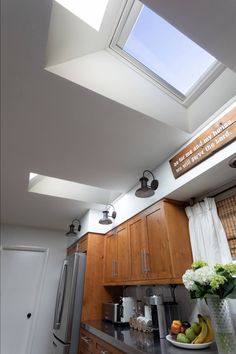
<point>115,268</point>
<point>142,261</point>
<point>86,340</point>
<point>103,352</point>
<point>112,272</point>
<point>147,263</point>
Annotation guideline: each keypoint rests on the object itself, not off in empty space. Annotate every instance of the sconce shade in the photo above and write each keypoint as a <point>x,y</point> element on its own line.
<point>146,191</point>
<point>72,231</point>
<point>106,218</point>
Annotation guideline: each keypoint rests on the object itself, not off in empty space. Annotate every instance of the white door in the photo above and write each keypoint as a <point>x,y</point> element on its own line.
<point>23,270</point>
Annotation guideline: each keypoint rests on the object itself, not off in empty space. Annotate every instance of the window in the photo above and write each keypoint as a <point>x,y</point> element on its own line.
<point>163,52</point>
<point>227,214</point>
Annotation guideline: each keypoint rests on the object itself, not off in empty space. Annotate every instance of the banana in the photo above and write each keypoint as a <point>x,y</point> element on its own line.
<point>203,334</point>
<point>210,333</point>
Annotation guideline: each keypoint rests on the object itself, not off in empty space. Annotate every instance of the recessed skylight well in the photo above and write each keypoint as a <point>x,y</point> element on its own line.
<point>32,175</point>
<point>89,11</point>
<point>70,190</point>
<point>164,53</point>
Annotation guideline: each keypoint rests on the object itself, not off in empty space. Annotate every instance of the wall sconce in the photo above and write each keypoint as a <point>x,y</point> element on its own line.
<point>72,232</point>
<point>106,218</point>
<point>146,191</point>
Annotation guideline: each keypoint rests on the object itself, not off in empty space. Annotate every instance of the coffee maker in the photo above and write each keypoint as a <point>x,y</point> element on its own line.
<point>159,327</point>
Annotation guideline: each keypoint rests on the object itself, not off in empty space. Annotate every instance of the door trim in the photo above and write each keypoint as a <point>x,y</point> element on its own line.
<point>40,288</point>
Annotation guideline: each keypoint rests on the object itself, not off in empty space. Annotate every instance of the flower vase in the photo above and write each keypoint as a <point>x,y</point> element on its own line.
<point>225,336</point>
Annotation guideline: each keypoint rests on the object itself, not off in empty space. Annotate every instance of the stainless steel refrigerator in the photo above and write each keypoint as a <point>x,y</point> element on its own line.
<point>68,307</point>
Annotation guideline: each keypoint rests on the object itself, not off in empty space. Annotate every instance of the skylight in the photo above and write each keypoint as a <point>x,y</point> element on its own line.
<point>162,51</point>
<point>89,11</point>
<point>70,190</point>
<point>32,175</point>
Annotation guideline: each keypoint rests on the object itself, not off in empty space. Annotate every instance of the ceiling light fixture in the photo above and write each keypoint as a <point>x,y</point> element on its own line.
<point>72,232</point>
<point>146,191</point>
<point>106,218</point>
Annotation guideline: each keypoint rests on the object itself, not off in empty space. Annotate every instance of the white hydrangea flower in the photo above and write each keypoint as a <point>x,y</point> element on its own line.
<point>204,275</point>
<point>188,279</point>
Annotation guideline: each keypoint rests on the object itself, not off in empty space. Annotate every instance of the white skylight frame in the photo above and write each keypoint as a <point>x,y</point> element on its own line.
<point>127,20</point>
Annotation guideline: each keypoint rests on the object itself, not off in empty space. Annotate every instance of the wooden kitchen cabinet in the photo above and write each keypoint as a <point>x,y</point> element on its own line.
<point>91,344</point>
<point>86,342</point>
<point>116,265</point>
<point>157,259</point>
<point>137,247</point>
<point>110,257</point>
<point>94,292</point>
<point>153,247</point>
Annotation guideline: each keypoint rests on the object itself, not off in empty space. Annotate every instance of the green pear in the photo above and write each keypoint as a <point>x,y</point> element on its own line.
<point>182,338</point>
<point>190,334</point>
<point>196,327</point>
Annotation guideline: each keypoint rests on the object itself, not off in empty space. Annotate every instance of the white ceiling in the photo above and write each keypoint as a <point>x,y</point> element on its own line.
<point>56,128</point>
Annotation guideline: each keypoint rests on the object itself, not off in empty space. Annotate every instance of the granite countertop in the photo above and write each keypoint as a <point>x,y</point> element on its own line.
<point>133,342</point>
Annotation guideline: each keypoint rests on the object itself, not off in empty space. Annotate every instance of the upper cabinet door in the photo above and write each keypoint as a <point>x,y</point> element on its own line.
<point>180,247</point>
<point>122,264</point>
<point>157,258</point>
<point>110,258</point>
<point>138,247</point>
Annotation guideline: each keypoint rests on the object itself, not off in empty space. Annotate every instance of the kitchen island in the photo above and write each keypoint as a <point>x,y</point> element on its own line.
<point>131,341</point>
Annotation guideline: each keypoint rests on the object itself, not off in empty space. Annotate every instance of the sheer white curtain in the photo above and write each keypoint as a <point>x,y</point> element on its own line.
<point>207,235</point>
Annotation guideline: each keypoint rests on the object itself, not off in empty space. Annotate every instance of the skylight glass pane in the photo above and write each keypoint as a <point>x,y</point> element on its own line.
<point>167,52</point>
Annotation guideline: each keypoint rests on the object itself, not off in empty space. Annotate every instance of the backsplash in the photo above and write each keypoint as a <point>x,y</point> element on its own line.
<point>188,308</point>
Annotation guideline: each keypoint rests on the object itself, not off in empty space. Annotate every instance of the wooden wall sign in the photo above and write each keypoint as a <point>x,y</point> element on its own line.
<point>213,139</point>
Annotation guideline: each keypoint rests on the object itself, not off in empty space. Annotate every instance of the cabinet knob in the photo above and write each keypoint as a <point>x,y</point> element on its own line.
<point>28,315</point>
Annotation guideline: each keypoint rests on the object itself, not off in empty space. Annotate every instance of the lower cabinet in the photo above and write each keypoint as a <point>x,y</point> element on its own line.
<point>90,344</point>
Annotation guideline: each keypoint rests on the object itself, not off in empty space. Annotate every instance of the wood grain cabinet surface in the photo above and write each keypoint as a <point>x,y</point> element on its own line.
<point>94,291</point>
<point>116,265</point>
<point>153,246</point>
<point>91,344</point>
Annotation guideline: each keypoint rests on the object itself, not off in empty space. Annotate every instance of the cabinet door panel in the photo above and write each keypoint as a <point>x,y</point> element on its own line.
<point>178,232</point>
<point>122,261</point>
<point>86,343</point>
<point>110,257</point>
<point>157,257</point>
<point>137,241</point>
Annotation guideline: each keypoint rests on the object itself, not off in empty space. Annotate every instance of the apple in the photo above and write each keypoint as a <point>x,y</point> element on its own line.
<point>185,325</point>
<point>176,326</point>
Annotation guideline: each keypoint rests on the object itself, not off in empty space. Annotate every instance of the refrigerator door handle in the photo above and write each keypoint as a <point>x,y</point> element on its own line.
<point>60,296</point>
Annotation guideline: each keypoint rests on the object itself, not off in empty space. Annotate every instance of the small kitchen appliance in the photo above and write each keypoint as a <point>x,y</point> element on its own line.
<point>109,311</point>
<point>119,313</point>
<point>159,327</point>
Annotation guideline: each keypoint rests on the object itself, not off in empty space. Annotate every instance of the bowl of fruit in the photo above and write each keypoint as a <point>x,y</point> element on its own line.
<point>197,335</point>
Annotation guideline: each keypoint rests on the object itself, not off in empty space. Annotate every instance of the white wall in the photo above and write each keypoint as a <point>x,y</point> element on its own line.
<point>129,205</point>
<point>55,241</point>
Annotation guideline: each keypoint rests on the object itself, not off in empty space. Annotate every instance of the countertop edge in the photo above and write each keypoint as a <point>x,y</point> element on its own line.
<point>110,340</point>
